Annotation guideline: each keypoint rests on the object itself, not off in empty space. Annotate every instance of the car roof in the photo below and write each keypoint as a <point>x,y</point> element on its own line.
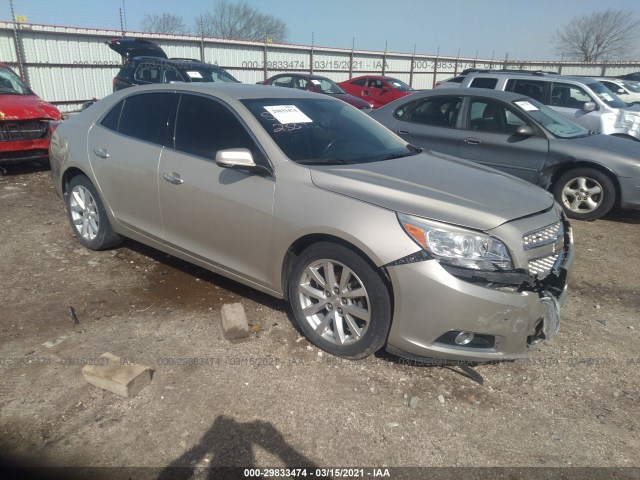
<point>536,75</point>
<point>181,62</point>
<point>377,77</point>
<point>228,91</point>
<point>458,92</point>
<point>308,76</point>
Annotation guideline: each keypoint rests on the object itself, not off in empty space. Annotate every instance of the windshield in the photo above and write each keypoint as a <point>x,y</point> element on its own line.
<point>11,84</point>
<point>325,132</point>
<point>399,85</point>
<point>550,120</point>
<point>606,95</point>
<point>632,86</point>
<point>209,74</point>
<point>327,86</point>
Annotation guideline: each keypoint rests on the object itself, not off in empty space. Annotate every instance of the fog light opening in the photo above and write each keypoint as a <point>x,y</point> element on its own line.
<point>464,338</point>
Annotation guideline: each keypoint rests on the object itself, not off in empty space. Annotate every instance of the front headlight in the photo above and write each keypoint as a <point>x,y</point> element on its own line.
<point>457,246</point>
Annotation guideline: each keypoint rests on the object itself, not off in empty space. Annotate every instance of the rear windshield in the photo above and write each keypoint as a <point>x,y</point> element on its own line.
<point>325,132</point>
<point>606,95</point>
<point>10,83</point>
<point>399,85</point>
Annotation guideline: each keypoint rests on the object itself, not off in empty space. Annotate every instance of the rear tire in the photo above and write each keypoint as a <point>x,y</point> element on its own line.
<point>88,218</point>
<point>585,193</point>
<point>340,301</point>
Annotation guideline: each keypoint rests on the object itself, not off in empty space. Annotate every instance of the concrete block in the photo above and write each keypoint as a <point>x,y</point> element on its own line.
<point>122,379</point>
<point>234,321</point>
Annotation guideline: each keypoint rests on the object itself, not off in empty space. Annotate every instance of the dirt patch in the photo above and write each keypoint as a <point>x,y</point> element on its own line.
<point>273,399</point>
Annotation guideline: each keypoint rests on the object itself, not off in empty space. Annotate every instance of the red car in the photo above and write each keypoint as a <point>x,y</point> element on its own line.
<point>377,90</point>
<point>318,84</point>
<point>26,121</point>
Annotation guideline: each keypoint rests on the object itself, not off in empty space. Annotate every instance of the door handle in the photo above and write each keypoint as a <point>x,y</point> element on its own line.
<point>472,141</point>
<point>172,177</point>
<point>101,152</point>
<point>403,132</point>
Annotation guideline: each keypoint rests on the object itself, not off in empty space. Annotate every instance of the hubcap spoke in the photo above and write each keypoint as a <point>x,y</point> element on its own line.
<point>357,312</point>
<point>344,279</point>
<point>582,183</point>
<point>313,292</point>
<point>316,276</point>
<point>314,308</point>
<point>324,324</point>
<point>569,192</point>
<point>358,292</point>
<point>353,326</point>
<point>330,275</point>
<point>591,204</point>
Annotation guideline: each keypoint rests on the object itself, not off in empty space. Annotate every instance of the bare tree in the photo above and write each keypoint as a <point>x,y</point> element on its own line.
<point>164,23</point>
<point>240,21</point>
<point>607,35</point>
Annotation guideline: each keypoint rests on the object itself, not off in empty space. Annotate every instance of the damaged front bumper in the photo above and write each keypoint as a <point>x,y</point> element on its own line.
<point>432,307</point>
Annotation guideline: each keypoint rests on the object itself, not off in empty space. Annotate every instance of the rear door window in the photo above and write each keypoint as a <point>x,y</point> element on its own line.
<point>481,82</point>
<point>436,111</point>
<point>148,117</point>
<point>530,88</point>
<point>283,82</point>
<point>148,72</point>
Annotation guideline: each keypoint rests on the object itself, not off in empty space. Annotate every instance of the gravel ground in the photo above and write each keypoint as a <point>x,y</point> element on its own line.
<point>273,400</point>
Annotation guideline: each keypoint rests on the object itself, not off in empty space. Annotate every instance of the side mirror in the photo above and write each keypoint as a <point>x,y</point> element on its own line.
<point>621,91</point>
<point>239,158</point>
<point>589,107</point>
<point>524,131</point>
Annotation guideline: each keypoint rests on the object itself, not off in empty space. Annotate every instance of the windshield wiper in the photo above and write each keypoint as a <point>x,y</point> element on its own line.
<point>332,161</point>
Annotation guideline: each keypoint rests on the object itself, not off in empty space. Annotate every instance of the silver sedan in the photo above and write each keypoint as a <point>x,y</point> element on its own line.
<point>303,197</point>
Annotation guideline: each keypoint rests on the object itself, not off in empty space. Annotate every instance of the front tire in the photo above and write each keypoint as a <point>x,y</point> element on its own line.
<point>87,215</point>
<point>585,193</point>
<point>340,301</point>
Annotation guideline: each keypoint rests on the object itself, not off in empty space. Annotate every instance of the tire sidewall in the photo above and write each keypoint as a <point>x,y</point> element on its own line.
<point>608,195</point>
<point>379,299</point>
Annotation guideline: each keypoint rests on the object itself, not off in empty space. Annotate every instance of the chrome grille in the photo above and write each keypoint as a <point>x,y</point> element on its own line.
<point>23,130</point>
<point>544,236</point>
<point>542,266</point>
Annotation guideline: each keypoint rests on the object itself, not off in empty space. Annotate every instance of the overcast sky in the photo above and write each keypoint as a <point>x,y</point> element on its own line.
<point>521,29</point>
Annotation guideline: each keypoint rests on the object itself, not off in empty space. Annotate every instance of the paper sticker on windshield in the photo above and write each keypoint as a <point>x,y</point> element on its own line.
<point>288,114</point>
<point>605,96</point>
<point>396,84</point>
<point>194,74</point>
<point>316,82</point>
<point>526,106</point>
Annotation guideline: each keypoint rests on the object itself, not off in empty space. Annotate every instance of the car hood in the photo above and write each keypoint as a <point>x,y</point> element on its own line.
<point>24,107</point>
<point>607,144</point>
<point>437,187</point>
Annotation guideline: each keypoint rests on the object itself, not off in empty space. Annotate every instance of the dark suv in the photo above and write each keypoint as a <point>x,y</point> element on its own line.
<point>146,62</point>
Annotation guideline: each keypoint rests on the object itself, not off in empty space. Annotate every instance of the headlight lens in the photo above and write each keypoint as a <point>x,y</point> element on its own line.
<point>457,246</point>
